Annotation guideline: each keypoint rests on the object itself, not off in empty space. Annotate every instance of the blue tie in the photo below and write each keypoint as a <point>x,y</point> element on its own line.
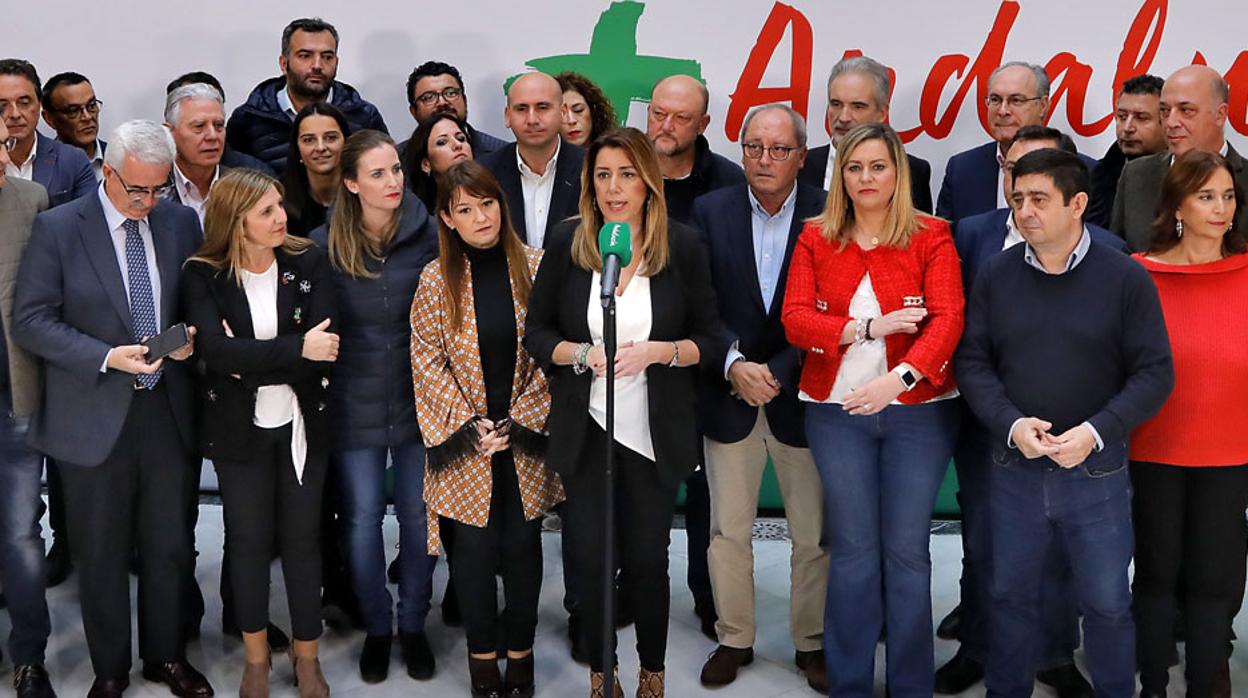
<point>142,306</point>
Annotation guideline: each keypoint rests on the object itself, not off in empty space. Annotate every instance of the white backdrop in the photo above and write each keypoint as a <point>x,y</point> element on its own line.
<point>131,49</point>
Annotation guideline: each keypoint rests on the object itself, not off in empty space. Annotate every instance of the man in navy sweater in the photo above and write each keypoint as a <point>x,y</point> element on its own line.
<point>1065,352</point>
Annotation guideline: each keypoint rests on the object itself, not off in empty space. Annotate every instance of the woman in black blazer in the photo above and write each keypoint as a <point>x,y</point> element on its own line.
<point>262,302</point>
<point>667,325</point>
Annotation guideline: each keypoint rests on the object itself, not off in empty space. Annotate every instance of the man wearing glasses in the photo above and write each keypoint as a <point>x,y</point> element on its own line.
<point>100,275</point>
<point>750,410</point>
<point>63,170</point>
<point>71,109</point>
<point>435,87</point>
<point>309,64</point>
<point>1018,96</point>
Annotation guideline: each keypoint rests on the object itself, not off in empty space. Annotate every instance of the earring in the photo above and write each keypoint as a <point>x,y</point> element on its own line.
<point>1178,227</point>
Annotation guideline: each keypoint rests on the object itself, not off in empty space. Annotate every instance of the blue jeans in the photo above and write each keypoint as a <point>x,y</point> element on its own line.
<point>21,545</point>
<point>1059,613</point>
<point>362,476</point>
<point>1035,504</point>
<point>880,475</point>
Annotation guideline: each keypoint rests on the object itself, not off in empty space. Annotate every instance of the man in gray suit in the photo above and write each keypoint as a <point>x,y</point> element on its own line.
<point>21,540</point>
<point>98,276</point>
<point>1193,112</point>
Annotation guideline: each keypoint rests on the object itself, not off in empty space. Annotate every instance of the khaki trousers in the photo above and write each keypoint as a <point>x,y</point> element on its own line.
<point>734,473</point>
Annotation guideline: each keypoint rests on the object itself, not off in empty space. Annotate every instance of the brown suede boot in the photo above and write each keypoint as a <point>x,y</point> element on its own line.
<point>649,684</point>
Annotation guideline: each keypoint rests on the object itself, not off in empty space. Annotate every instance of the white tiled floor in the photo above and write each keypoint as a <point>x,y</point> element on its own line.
<point>771,674</point>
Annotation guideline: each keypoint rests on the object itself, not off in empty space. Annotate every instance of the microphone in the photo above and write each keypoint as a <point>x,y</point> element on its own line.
<point>615,246</point>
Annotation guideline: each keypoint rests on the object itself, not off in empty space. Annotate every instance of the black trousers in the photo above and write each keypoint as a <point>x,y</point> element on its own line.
<point>644,506</point>
<point>137,491</point>
<point>698,539</point>
<point>266,507</point>
<point>508,544</point>
<point>1188,522</point>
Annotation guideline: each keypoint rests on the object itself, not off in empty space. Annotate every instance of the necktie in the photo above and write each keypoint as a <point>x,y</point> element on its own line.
<point>142,305</point>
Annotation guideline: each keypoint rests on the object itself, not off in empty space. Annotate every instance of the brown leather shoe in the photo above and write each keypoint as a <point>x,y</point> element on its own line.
<point>182,679</point>
<point>308,677</point>
<point>597,685</point>
<point>815,667</point>
<point>255,683</point>
<point>650,684</point>
<point>721,667</point>
<point>108,688</point>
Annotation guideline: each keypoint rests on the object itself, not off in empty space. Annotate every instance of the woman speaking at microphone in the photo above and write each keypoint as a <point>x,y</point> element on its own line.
<point>667,325</point>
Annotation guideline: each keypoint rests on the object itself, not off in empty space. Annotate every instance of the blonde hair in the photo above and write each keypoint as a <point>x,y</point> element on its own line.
<point>654,251</point>
<point>837,220</point>
<point>233,196</point>
<point>349,246</point>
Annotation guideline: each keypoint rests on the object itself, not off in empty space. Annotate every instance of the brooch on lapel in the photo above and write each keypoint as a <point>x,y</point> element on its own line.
<point>287,277</point>
<point>324,383</point>
<point>298,316</point>
<point>305,286</point>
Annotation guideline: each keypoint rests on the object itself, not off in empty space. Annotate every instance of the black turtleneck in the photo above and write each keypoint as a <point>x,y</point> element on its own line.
<point>496,325</point>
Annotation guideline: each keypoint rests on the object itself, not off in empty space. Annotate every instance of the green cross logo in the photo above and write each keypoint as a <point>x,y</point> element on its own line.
<point>613,62</point>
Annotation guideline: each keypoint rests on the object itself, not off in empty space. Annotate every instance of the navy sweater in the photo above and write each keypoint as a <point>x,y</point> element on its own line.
<point>1088,345</point>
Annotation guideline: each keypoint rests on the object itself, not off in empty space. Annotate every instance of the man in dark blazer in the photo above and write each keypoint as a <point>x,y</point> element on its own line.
<point>1193,110</point>
<point>978,239</point>
<point>63,170</point>
<point>540,173</point>
<point>859,90</point>
<point>98,276</point>
<point>1018,96</point>
<point>748,407</point>
<point>1138,131</point>
<point>70,107</point>
<point>21,542</point>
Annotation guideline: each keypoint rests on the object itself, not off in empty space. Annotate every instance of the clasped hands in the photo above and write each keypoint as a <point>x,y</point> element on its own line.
<point>631,357</point>
<point>1032,438</point>
<point>491,437</point>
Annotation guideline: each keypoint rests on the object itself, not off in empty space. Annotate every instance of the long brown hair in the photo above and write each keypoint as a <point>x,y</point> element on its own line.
<point>470,177</point>
<point>654,249</point>
<point>837,220</point>
<point>229,201</point>
<point>601,112</point>
<point>349,246</point>
<point>1186,176</point>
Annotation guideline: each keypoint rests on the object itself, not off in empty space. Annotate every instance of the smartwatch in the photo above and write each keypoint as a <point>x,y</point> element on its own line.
<point>907,376</point>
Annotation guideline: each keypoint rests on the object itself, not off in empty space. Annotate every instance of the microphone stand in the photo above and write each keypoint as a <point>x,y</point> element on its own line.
<point>608,509</point>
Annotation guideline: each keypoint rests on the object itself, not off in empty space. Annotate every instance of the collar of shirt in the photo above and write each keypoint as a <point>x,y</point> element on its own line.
<point>1080,251</point>
<point>288,107</point>
<point>547,173</point>
<point>187,189</point>
<point>785,208</point>
<point>1012,234</point>
<point>112,216</point>
<point>827,173</point>
<point>1226,148</point>
<point>26,170</point>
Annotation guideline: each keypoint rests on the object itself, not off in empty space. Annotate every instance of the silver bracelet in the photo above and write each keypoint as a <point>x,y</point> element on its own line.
<point>860,330</point>
<point>580,363</point>
<point>675,356</point>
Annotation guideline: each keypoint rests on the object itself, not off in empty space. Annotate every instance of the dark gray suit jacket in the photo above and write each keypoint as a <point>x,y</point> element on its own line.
<point>20,202</point>
<point>71,307</point>
<point>1139,191</point>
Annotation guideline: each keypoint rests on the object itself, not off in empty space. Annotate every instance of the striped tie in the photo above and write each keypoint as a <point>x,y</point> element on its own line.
<point>142,306</point>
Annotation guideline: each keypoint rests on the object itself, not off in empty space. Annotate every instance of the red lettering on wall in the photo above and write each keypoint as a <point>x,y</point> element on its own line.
<point>1074,86</point>
<point>1130,61</point>
<point>749,92</point>
<point>1237,106</point>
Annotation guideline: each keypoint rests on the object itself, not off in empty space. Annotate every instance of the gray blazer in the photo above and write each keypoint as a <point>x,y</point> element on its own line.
<point>1139,192</point>
<point>20,202</point>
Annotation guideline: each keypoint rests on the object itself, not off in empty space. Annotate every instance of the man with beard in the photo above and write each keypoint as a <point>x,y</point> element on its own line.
<point>435,87</point>
<point>1138,131</point>
<point>309,62</point>
<point>72,110</point>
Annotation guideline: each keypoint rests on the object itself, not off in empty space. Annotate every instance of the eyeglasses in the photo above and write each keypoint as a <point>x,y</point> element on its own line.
<point>10,143</point>
<point>75,111</point>
<point>449,94</point>
<point>754,151</point>
<point>1015,101</point>
<point>138,194</point>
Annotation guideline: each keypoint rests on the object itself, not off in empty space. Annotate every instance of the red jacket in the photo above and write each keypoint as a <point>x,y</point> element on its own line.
<point>823,278</point>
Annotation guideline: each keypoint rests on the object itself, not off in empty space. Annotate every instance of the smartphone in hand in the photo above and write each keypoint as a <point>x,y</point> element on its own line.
<point>166,342</point>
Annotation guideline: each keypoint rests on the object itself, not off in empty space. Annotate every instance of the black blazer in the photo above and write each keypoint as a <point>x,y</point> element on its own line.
<point>564,199</point>
<point>683,307</point>
<point>815,170</point>
<point>305,297</point>
<point>723,218</point>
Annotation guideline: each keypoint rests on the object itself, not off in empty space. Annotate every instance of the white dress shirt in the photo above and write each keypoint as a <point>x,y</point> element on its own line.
<point>537,191</point>
<point>633,315</point>
<point>190,194</point>
<point>288,107</point>
<point>26,170</point>
<point>827,174</point>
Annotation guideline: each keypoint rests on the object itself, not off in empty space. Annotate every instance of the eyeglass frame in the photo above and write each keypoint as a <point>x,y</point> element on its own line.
<point>138,194</point>
<point>759,148</point>
<point>1014,101</point>
<point>432,96</point>
<point>75,111</point>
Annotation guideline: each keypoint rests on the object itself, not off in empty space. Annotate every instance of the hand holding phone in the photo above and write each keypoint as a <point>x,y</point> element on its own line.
<point>166,342</point>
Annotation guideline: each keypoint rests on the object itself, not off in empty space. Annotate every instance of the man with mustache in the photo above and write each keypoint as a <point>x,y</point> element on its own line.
<point>309,63</point>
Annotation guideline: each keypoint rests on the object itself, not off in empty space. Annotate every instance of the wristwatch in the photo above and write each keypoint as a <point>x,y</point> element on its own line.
<point>908,379</point>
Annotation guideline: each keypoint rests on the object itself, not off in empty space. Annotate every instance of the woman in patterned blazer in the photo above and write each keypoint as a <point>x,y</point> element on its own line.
<point>482,404</point>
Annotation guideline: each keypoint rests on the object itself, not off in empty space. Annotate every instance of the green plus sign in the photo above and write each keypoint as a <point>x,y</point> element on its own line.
<point>613,63</point>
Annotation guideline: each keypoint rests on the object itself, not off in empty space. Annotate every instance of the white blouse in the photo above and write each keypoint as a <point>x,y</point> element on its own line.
<point>276,405</point>
<point>633,316</point>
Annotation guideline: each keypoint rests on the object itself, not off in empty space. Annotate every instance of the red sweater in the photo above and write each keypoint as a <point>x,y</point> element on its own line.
<point>822,281</point>
<point>1205,421</point>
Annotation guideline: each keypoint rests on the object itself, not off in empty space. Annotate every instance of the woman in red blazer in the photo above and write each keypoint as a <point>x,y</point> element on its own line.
<point>875,298</point>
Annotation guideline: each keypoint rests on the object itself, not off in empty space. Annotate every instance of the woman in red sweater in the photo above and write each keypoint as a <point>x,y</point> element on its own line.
<point>875,299</point>
<point>1188,462</point>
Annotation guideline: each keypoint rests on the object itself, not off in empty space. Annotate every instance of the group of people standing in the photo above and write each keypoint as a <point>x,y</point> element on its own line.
<point>431,308</point>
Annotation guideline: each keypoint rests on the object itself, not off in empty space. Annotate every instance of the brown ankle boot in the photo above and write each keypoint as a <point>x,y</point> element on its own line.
<point>649,684</point>
<point>308,677</point>
<point>255,683</point>
<point>597,685</point>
